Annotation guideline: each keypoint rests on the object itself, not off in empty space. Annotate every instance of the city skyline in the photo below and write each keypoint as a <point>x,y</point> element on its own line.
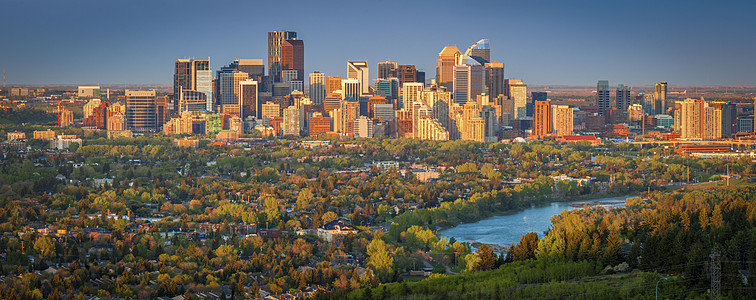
<point>543,43</point>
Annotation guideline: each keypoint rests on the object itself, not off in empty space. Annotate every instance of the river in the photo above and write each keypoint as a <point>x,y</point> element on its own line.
<point>504,230</point>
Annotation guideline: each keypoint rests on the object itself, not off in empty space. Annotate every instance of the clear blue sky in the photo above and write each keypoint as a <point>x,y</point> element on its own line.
<point>543,42</point>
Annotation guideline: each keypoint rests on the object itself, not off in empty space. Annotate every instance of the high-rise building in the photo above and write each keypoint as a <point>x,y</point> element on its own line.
<point>333,83</point>
<point>89,92</point>
<point>384,111</point>
<point>445,63</point>
<point>542,119</point>
<point>469,82</point>
<point>291,122</point>
<point>140,111</point>
<point>351,88</point>
<point>332,101</point>
<point>90,106</point>
<point>389,88</point>
<point>65,118</point>
<point>649,104</point>
<point>562,120</point>
<point>386,70</point>
<point>518,93</point>
<point>229,89</point>
<point>292,57</point>
<point>248,98</point>
<point>270,110</point>
<point>411,92</point>
<point>193,75</point>
<point>406,73</point>
<point>317,87</point>
<point>275,41</point>
<point>660,95</point>
<point>491,123</point>
<point>602,97</point>
<point>359,70</point>
<point>622,96</point>
<point>191,100</point>
<point>480,51</point>
<point>495,79</point>
<point>319,124</point>
<point>363,127</point>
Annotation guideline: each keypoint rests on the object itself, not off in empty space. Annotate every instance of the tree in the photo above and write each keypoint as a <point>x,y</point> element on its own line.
<point>45,247</point>
<point>379,258</point>
<point>526,248</point>
<point>486,258</point>
<point>329,216</point>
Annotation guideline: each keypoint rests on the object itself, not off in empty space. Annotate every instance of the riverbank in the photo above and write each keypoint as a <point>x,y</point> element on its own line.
<point>504,229</point>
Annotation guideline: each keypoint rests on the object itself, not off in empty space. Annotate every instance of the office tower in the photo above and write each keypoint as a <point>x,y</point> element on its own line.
<point>331,101</point>
<point>191,100</point>
<point>386,70</point>
<point>480,51</point>
<point>518,93</point>
<point>389,88</point>
<point>90,106</point>
<point>469,82</point>
<point>539,96</point>
<point>359,70</point>
<point>230,86</point>
<point>292,57</point>
<point>491,123</point>
<point>333,83</point>
<point>649,104</point>
<point>622,96</point>
<point>291,121</point>
<point>494,79</point>
<point>287,76</point>
<point>350,88</point>
<point>411,92</point>
<point>248,98</point>
<point>164,107</point>
<point>270,110</point>
<point>406,73</point>
<point>542,119</point>
<point>384,111</point>
<point>562,120</point>
<point>349,112</point>
<point>602,97</point>
<point>660,95</point>
<point>89,92</point>
<point>445,63</point>
<point>193,75</point>
<point>275,41</point>
<point>319,124</point>
<point>728,118</point>
<point>363,127</point>
<point>420,76</point>
<point>374,100</point>
<point>317,87</point>
<point>140,111</point>
<point>254,68</point>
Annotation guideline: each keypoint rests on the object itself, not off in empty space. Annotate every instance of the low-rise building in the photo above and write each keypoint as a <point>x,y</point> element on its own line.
<point>44,134</point>
<point>335,230</point>
<point>16,135</point>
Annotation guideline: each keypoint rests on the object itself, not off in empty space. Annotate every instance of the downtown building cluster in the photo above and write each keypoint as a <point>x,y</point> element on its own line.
<point>469,99</point>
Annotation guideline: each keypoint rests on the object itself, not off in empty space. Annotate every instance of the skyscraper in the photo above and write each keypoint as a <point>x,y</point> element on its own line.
<point>229,86</point>
<point>275,40</point>
<point>351,88</point>
<point>480,51</point>
<point>602,97</point>
<point>140,111</point>
<point>317,87</point>
<point>622,96</point>
<point>254,68</point>
<point>494,79</point>
<point>332,84</point>
<point>248,98</point>
<point>386,69</point>
<point>562,119</point>
<point>292,57</point>
<point>518,93</point>
<point>406,73</point>
<point>194,75</point>
<point>469,82</point>
<point>542,119</point>
<point>445,63</point>
<point>359,70</point>
<point>660,95</point>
